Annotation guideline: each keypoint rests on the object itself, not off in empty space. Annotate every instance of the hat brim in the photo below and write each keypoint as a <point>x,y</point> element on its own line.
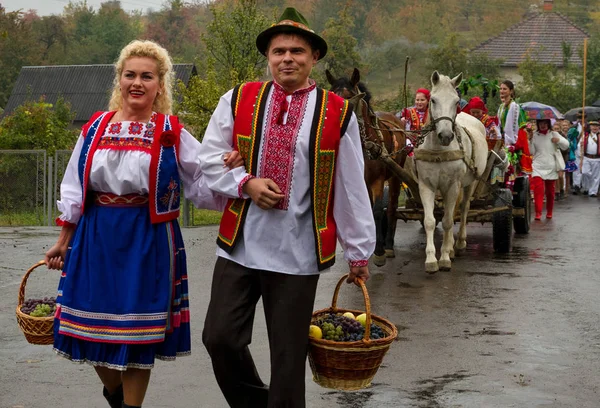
<point>262,41</point>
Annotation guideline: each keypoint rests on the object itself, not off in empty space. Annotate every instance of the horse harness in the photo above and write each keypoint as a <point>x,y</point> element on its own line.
<point>435,156</point>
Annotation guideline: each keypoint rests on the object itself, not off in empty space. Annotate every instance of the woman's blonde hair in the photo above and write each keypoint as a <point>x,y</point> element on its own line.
<point>137,48</point>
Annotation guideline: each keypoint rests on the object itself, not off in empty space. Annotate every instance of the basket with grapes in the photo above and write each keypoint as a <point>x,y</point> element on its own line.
<point>35,316</point>
<point>346,347</point>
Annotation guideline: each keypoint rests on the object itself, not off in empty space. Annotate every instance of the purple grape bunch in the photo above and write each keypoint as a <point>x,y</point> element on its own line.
<point>39,307</point>
<point>341,328</point>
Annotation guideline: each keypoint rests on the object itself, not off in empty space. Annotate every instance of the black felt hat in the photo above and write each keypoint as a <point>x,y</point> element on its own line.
<point>291,22</point>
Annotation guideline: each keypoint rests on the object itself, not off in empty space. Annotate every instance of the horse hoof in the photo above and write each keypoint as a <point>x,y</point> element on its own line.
<point>389,253</point>
<point>460,245</point>
<point>379,260</point>
<point>431,267</point>
<point>445,265</point>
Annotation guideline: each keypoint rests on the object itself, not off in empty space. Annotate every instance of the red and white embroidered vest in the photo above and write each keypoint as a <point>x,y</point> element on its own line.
<point>586,137</point>
<point>331,118</point>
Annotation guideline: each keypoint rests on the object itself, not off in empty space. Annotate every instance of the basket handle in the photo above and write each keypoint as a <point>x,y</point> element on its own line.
<point>24,281</point>
<point>361,283</point>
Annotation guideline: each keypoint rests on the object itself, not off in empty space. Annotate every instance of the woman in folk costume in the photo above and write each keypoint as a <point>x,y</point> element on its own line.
<point>414,118</point>
<point>590,161</point>
<point>476,107</point>
<point>123,297</point>
<point>544,143</point>
<point>513,123</point>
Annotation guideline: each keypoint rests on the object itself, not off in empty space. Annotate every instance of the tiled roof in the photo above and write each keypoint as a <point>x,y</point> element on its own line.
<point>540,36</point>
<point>86,87</point>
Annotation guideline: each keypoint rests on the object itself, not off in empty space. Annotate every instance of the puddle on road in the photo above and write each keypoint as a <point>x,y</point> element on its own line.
<point>504,274</point>
<point>492,332</point>
<point>378,395</point>
<point>433,386</point>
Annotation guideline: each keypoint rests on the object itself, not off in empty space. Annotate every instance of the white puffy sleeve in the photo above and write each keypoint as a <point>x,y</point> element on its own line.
<point>217,141</point>
<point>351,205</point>
<point>195,187</point>
<point>71,196</point>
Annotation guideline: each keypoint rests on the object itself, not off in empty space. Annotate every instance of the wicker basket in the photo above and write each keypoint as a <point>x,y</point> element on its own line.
<point>37,330</point>
<point>349,365</point>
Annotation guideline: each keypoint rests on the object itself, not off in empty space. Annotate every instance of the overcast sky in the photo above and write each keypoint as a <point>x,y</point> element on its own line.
<point>47,7</point>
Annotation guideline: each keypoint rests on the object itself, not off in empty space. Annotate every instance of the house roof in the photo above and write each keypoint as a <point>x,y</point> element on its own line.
<point>86,87</point>
<point>540,36</point>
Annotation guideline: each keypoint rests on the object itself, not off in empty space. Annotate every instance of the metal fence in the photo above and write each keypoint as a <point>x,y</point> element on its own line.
<point>24,195</point>
<point>30,186</point>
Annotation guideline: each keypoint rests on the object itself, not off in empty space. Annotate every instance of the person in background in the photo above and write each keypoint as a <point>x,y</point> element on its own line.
<point>476,107</point>
<point>513,124</point>
<point>544,143</point>
<point>590,161</point>
<point>570,158</point>
<point>302,190</point>
<point>562,128</point>
<point>575,132</point>
<point>123,295</point>
<point>414,118</point>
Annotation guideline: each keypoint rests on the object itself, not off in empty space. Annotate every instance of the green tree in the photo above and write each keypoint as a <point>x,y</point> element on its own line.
<point>342,55</point>
<point>230,38</point>
<point>175,27</point>
<point>18,47</point>
<point>546,83</point>
<point>449,58</point>
<point>39,125</point>
<point>233,58</point>
<point>97,37</point>
<point>593,72</point>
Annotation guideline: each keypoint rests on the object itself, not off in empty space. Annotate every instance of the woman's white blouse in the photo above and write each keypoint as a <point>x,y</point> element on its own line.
<point>121,166</point>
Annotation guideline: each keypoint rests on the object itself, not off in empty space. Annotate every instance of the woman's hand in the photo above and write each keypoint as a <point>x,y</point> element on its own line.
<point>55,256</point>
<point>554,140</point>
<point>232,160</point>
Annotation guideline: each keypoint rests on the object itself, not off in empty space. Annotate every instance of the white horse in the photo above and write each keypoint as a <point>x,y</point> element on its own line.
<point>453,156</point>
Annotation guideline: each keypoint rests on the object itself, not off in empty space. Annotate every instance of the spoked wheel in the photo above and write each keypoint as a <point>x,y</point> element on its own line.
<point>522,199</point>
<point>502,221</point>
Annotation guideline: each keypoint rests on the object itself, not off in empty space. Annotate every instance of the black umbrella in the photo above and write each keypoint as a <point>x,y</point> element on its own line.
<point>591,113</point>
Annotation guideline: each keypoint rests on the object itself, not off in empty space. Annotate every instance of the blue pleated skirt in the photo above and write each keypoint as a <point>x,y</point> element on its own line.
<point>123,294</point>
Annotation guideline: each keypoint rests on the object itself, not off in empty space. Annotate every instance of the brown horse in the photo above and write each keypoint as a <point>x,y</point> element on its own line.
<point>379,131</point>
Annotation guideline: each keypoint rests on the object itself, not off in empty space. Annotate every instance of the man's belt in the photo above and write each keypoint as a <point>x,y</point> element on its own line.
<point>592,156</point>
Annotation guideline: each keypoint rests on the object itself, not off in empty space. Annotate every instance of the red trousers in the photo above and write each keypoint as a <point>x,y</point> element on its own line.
<point>539,187</point>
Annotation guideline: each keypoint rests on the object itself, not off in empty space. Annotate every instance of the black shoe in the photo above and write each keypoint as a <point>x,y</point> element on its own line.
<point>592,195</point>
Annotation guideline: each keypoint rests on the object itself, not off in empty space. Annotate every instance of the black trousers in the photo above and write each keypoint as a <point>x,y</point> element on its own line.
<point>288,302</point>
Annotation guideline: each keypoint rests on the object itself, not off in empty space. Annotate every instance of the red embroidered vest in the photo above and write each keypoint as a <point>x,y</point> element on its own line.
<point>331,118</point>
<point>586,137</point>
<point>164,184</point>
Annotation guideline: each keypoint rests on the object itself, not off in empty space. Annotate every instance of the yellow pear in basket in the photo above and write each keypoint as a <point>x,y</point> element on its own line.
<point>362,318</point>
<point>315,332</point>
<point>349,315</point>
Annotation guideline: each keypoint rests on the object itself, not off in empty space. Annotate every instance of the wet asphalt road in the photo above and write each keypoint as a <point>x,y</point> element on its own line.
<point>514,330</point>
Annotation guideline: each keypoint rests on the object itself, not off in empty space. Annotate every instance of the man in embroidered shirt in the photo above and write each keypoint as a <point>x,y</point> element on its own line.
<point>590,162</point>
<point>289,205</point>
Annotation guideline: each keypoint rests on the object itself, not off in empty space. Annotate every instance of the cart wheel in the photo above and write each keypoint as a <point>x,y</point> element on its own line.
<point>522,199</point>
<point>502,222</point>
